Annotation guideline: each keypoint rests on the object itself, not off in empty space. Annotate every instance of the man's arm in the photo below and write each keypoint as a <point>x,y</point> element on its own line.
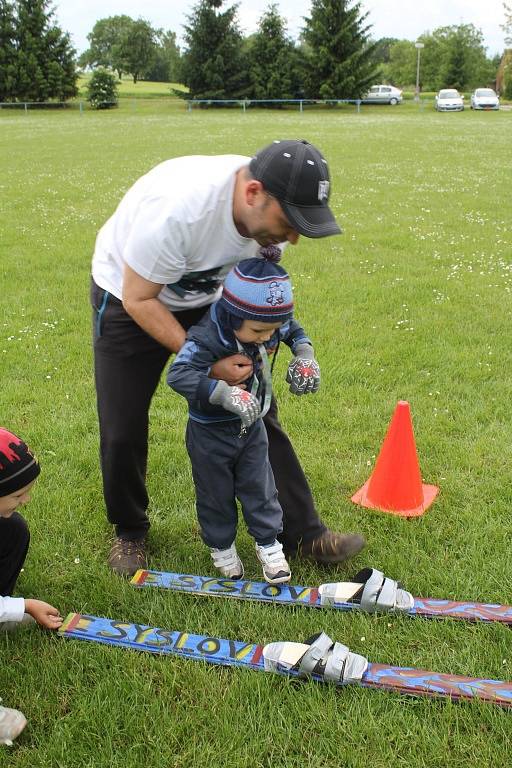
<point>140,300</point>
<point>188,375</point>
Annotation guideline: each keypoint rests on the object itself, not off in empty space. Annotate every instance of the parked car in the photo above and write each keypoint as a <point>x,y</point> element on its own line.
<point>382,94</point>
<point>484,98</point>
<point>449,100</point>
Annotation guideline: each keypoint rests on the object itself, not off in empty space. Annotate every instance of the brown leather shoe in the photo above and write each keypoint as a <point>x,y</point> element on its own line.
<point>127,556</point>
<point>331,547</point>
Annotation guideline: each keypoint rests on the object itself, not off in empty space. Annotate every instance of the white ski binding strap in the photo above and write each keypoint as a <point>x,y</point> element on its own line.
<point>319,657</point>
<point>371,590</point>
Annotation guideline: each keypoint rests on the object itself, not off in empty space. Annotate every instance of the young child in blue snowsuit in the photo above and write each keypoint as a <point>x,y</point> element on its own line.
<point>226,439</point>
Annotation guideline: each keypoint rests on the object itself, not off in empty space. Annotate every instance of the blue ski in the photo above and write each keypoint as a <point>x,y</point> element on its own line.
<point>319,658</point>
<point>370,591</point>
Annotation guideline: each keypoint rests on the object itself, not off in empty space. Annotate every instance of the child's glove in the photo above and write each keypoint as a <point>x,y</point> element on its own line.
<point>237,401</point>
<point>303,372</point>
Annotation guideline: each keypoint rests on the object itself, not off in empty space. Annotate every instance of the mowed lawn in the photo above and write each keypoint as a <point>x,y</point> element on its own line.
<point>412,302</point>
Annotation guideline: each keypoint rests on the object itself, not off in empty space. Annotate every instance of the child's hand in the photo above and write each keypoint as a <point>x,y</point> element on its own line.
<point>237,401</point>
<point>303,374</point>
<point>45,614</point>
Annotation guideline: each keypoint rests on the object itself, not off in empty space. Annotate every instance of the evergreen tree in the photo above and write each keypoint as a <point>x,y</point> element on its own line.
<point>45,66</point>
<point>340,63</point>
<point>8,53</point>
<point>213,65</point>
<point>275,66</point>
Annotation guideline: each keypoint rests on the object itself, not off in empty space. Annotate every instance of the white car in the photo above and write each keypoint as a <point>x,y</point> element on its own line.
<point>449,100</point>
<point>383,94</point>
<point>484,98</point>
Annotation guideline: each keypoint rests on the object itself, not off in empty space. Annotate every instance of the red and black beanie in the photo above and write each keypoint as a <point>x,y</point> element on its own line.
<point>18,465</point>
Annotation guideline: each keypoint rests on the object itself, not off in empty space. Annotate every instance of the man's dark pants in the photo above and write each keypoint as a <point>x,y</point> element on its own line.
<point>128,367</point>
<point>14,541</point>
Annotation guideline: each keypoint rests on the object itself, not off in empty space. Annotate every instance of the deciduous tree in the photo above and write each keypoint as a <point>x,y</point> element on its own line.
<point>402,63</point>
<point>137,48</point>
<point>105,42</point>
<point>102,89</point>
<point>167,61</point>
<point>455,57</point>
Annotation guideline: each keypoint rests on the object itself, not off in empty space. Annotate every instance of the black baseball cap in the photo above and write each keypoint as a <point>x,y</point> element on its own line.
<point>297,175</point>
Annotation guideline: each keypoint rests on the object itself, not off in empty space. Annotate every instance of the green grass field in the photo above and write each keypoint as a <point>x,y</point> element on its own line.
<point>413,302</point>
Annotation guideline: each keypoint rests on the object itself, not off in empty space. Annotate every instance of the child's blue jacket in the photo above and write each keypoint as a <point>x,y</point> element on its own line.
<point>208,342</point>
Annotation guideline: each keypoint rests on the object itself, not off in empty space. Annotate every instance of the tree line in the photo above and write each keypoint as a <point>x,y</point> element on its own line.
<point>452,56</point>
<point>335,56</point>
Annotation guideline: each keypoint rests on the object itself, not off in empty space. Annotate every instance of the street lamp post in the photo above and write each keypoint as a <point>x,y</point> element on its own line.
<point>418,46</point>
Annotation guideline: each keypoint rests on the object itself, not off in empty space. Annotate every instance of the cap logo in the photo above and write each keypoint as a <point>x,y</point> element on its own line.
<point>276,294</point>
<point>323,190</point>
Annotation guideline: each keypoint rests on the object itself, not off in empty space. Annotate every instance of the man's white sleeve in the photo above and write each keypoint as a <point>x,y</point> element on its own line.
<point>11,608</point>
<point>156,246</point>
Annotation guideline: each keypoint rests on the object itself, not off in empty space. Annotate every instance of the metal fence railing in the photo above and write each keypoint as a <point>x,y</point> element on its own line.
<point>190,104</point>
<point>247,103</point>
<point>43,105</point>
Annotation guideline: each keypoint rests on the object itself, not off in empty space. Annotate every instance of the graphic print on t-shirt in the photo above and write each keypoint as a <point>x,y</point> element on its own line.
<point>206,281</point>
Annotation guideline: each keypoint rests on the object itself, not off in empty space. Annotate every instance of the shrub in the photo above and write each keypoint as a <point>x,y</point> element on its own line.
<point>102,90</point>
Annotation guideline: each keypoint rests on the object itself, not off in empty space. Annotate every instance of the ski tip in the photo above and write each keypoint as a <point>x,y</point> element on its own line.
<point>69,623</point>
<point>139,577</point>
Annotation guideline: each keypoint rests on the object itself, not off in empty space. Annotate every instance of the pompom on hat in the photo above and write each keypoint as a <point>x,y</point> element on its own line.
<point>259,289</point>
<point>18,466</point>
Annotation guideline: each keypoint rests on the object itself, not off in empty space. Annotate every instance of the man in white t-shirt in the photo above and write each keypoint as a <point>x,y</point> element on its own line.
<point>159,263</point>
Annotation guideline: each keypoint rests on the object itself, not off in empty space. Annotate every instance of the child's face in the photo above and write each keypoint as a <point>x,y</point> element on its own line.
<point>10,503</point>
<point>256,332</point>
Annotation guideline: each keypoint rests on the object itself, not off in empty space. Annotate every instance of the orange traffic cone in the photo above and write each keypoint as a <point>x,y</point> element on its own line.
<point>395,485</point>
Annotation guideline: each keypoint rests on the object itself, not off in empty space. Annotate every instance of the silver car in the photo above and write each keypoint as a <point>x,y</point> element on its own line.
<point>484,98</point>
<point>383,94</point>
<point>449,100</point>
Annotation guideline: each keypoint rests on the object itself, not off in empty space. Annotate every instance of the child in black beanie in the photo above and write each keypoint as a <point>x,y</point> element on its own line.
<point>19,470</point>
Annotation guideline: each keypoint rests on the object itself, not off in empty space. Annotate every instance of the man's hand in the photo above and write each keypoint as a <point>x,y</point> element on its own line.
<point>237,401</point>
<point>303,374</point>
<point>233,370</point>
<point>45,614</point>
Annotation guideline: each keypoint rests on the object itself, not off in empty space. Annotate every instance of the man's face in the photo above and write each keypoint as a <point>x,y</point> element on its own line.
<point>267,224</point>
<point>10,503</point>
